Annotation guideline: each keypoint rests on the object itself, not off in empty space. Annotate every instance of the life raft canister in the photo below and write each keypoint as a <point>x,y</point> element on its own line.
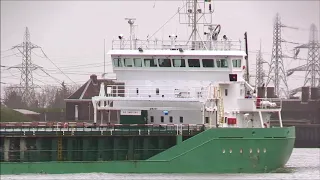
<point>65,125</point>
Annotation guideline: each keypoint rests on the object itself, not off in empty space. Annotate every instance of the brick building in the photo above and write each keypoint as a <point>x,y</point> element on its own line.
<point>79,105</point>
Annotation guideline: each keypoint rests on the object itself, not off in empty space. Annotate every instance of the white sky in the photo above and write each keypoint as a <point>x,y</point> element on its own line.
<point>72,33</point>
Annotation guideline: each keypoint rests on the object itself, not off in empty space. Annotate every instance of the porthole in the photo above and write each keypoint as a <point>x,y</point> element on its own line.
<point>241,151</point>
<point>223,151</point>
<point>230,151</point>
<point>250,150</point>
<point>258,150</point>
<point>264,150</point>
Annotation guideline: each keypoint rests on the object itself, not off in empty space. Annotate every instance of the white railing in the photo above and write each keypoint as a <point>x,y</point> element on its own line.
<point>256,104</point>
<point>144,91</point>
<point>223,45</point>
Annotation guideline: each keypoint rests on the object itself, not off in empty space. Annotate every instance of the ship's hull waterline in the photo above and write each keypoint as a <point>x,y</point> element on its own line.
<point>218,150</point>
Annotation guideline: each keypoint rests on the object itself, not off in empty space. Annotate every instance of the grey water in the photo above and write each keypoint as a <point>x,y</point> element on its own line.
<point>303,164</point>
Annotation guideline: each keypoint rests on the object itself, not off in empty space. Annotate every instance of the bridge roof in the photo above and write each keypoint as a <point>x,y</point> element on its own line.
<point>197,53</point>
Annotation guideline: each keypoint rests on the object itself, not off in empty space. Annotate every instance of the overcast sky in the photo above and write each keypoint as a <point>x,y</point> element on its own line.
<point>72,33</point>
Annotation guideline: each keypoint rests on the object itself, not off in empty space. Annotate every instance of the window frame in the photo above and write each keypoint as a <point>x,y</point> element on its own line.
<point>154,60</point>
<point>164,60</point>
<point>181,60</point>
<point>191,60</point>
<point>134,62</point>
<point>213,64</point>
<point>124,62</point>
<point>119,62</point>
<point>219,63</point>
<point>207,120</point>
<point>181,119</point>
<point>236,63</point>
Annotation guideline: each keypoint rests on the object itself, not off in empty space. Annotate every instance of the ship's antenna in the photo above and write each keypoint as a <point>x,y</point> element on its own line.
<point>194,12</point>
<point>194,27</point>
<point>131,22</point>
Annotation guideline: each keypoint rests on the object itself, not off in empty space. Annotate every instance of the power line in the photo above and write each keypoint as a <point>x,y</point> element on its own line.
<point>6,50</point>
<point>10,55</point>
<point>85,65</point>
<point>86,74</point>
<point>57,80</point>
<point>56,66</point>
<point>163,25</point>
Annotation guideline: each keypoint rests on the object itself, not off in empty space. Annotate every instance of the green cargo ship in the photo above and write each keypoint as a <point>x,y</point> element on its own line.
<point>171,107</point>
<point>216,150</point>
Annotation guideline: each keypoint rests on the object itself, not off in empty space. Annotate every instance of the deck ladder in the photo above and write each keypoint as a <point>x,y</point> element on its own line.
<point>59,148</point>
<point>220,105</point>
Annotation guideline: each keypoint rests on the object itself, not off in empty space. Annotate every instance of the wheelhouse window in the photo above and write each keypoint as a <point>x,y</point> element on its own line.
<point>164,62</point>
<point>207,63</point>
<point>128,62</point>
<point>117,62</point>
<point>179,63</point>
<point>150,63</point>
<point>236,62</point>
<point>222,63</point>
<point>137,62</point>
<point>194,62</point>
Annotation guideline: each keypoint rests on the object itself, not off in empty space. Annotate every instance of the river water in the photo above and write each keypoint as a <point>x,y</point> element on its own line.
<point>303,164</point>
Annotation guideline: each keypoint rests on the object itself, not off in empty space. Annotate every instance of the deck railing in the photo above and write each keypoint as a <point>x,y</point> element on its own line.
<point>223,45</point>
<point>74,129</point>
<point>268,103</point>
<point>156,91</point>
<point>254,104</point>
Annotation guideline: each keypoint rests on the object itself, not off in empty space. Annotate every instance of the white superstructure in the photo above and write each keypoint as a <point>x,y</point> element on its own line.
<point>182,82</point>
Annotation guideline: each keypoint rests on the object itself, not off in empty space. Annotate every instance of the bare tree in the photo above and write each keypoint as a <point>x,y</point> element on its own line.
<point>46,97</point>
<point>13,98</point>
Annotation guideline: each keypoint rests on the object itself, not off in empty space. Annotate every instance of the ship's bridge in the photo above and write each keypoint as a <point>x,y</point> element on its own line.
<point>177,64</point>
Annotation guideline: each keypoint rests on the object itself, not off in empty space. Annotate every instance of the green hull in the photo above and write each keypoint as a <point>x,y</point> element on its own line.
<point>222,150</point>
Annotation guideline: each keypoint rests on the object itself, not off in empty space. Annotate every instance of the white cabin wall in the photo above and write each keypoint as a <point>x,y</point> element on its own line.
<point>166,87</point>
<point>189,117</point>
<point>189,105</point>
<point>233,94</point>
<point>169,74</point>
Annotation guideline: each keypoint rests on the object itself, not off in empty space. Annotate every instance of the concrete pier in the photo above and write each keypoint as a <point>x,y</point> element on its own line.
<point>6,149</point>
<point>23,148</point>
